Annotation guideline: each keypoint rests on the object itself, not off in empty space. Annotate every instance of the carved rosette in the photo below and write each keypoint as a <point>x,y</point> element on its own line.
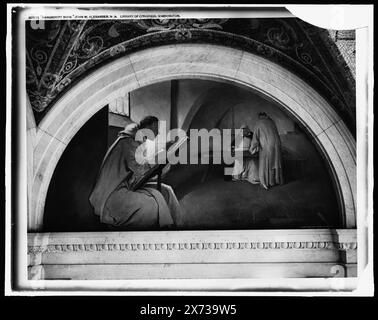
<point>77,247</point>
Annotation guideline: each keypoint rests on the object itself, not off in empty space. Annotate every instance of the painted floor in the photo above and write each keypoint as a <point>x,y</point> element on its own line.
<point>211,201</point>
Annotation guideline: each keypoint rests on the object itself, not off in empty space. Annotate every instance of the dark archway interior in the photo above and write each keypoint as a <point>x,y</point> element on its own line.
<point>210,199</point>
<point>67,206</point>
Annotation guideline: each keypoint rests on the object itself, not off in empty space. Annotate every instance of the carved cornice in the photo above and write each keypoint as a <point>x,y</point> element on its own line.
<point>177,246</point>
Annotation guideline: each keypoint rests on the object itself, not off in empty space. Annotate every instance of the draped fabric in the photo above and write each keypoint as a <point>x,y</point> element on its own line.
<point>248,169</point>
<point>114,201</point>
<point>266,141</point>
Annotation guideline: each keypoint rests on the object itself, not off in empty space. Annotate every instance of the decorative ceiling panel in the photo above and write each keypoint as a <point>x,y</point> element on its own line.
<point>65,51</point>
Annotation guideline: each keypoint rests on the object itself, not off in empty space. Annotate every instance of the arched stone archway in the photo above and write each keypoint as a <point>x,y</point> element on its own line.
<point>158,64</point>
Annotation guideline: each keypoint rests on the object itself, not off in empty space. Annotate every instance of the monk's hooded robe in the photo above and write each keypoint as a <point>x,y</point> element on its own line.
<point>115,202</point>
<point>267,142</point>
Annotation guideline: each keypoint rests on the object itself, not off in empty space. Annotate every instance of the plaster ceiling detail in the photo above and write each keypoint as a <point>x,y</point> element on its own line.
<point>65,51</point>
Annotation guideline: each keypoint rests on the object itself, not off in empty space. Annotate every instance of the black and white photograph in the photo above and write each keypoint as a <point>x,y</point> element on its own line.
<point>179,148</point>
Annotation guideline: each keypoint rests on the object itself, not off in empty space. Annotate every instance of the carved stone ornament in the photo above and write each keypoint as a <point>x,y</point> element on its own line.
<point>61,248</point>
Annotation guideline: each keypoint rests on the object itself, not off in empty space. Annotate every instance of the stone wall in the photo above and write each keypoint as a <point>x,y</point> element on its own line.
<point>265,254</point>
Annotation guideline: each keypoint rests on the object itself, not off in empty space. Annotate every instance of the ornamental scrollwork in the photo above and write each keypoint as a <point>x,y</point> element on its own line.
<point>155,25</point>
<point>62,52</point>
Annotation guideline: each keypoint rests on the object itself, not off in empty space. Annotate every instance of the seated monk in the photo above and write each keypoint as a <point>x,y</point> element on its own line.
<point>117,204</point>
<point>151,147</point>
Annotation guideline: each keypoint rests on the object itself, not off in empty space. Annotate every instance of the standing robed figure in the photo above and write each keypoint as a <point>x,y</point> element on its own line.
<point>266,141</point>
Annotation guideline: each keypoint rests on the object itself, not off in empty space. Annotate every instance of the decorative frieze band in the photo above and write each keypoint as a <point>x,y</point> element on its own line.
<point>61,248</point>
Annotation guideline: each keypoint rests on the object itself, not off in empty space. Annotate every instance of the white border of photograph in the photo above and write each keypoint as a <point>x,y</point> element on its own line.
<point>361,286</point>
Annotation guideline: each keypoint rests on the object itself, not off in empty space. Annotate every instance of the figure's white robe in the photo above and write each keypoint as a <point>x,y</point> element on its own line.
<point>268,143</point>
<point>248,169</point>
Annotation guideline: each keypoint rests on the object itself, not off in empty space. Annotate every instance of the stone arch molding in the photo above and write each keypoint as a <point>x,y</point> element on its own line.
<point>204,61</point>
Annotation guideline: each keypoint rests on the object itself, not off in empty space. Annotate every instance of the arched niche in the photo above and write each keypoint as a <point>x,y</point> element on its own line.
<point>194,61</point>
